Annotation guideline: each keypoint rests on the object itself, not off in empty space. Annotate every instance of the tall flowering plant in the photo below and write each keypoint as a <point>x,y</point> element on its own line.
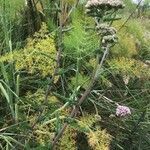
<point>104,13</point>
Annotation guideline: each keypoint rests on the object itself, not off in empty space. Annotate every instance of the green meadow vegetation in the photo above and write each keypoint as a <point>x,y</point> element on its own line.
<point>74,75</point>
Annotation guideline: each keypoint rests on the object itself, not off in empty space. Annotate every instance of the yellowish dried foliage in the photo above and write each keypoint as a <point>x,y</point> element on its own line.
<point>126,45</point>
<point>68,140</point>
<point>41,134</point>
<point>99,139</point>
<point>128,66</point>
<point>38,97</point>
<point>38,56</point>
<point>88,119</point>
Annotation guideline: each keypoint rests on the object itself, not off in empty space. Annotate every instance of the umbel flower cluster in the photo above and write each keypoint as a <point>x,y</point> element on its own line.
<point>122,111</point>
<point>105,3</point>
<point>97,7</point>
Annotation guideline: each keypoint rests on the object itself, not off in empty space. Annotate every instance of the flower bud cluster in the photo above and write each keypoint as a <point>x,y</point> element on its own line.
<point>106,30</point>
<point>107,33</point>
<point>122,111</point>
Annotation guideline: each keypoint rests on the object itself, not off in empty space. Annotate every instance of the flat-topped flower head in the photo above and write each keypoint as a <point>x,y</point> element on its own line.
<point>98,8</point>
<point>118,4</point>
<point>122,111</point>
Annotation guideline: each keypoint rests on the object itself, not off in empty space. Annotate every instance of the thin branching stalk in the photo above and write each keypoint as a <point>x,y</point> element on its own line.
<point>137,7</point>
<point>60,35</point>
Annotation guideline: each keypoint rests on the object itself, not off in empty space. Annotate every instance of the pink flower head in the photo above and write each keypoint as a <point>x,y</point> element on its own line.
<point>122,111</point>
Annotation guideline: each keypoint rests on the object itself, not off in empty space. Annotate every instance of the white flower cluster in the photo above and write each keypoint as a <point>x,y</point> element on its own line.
<point>103,3</point>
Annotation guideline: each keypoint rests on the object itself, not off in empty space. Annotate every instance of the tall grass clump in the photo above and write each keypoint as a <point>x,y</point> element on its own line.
<point>9,79</point>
